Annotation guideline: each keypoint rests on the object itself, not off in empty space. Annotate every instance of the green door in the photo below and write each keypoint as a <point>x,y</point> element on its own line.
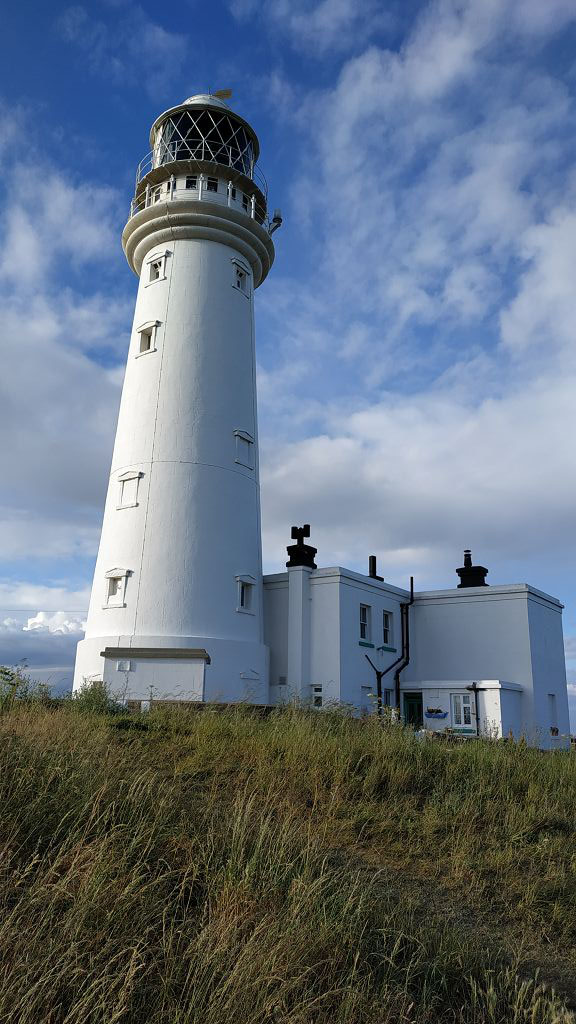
<point>413,713</point>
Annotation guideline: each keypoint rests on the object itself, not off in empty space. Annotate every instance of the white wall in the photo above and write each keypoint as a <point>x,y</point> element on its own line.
<point>178,678</point>
<point>510,632</point>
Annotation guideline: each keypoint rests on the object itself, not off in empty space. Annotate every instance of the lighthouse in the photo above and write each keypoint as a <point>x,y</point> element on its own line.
<point>176,605</point>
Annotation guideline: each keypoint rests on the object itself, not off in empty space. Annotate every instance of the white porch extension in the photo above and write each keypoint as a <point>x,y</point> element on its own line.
<point>489,707</point>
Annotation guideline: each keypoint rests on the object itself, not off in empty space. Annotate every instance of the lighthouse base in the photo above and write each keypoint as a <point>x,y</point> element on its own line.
<point>174,668</point>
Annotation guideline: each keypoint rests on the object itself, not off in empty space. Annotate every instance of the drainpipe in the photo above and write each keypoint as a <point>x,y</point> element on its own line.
<point>405,659</point>
<point>402,661</point>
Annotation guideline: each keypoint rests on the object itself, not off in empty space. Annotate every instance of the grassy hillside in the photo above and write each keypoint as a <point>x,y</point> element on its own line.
<point>299,869</point>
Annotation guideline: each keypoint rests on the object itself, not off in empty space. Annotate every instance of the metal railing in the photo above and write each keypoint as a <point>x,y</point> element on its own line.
<point>226,156</point>
<point>213,190</point>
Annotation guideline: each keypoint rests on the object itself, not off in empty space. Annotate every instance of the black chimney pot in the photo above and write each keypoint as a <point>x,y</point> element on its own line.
<point>471,575</point>
<point>301,553</point>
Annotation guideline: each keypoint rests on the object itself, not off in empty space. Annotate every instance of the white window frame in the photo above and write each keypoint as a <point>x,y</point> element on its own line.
<point>242,277</point>
<point>460,703</point>
<point>245,451</point>
<point>366,623</point>
<point>317,697</point>
<point>246,594</point>
<point>157,257</point>
<point>123,479</point>
<point>387,628</point>
<point>150,329</point>
<point>117,599</point>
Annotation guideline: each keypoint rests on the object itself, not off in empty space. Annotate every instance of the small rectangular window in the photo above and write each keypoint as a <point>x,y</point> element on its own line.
<point>212,184</point>
<point>365,622</point>
<point>156,270</point>
<point>317,696</point>
<point>245,594</point>
<point>233,192</point>
<point>169,186</point>
<point>115,588</point>
<point>245,201</point>
<point>157,267</point>
<point>386,628</point>
<point>128,491</point>
<point>146,339</point>
<point>156,193</point>
<point>192,181</point>
<point>240,281</point>
<point>244,449</point>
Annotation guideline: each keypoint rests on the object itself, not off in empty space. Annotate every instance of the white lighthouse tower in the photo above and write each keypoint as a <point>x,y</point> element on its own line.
<point>176,606</point>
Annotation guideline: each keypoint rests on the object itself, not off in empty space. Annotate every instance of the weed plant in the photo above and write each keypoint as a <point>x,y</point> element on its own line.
<point>303,868</point>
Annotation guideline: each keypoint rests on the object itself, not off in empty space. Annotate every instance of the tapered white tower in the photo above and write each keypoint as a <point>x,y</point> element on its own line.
<point>176,606</point>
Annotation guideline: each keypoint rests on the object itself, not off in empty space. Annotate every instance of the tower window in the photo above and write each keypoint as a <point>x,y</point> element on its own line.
<point>128,493</point>
<point>317,696</point>
<point>233,192</point>
<point>365,630</point>
<point>241,277</point>
<point>212,184</point>
<point>156,264</point>
<point>245,201</point>
<point>192,181</point>
<point>387,628</point>
<point>246,586</point>
<point>156,193</point>
<point>147,337</point>
<point>155,270</point>
<point>115,593</point>
<point>244,449</point>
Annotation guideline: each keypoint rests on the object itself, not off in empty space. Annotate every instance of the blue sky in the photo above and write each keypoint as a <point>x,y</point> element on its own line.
<point>416,338</point>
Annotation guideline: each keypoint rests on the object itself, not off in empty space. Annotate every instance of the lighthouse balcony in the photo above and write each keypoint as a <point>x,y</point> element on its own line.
<point>201,180</point>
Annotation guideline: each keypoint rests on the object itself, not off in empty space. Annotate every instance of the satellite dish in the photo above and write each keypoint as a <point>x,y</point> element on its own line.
<point>223,94</point>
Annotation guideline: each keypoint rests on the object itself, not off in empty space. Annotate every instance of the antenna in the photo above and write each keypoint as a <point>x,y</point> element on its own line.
<point>223,94</point>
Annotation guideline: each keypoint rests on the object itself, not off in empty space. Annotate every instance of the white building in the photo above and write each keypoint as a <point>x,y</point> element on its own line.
<point>179,607</point>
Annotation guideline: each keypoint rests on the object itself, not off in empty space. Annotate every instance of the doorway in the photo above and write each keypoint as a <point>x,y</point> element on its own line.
<point>413,711</point>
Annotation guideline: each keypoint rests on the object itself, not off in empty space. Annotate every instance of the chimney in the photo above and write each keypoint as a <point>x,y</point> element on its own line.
<point>471,575</point>
<point>372,570</point>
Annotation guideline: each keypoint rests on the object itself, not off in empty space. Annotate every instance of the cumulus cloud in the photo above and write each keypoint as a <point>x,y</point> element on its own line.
<point>122,48</point>
<point>58,622</point>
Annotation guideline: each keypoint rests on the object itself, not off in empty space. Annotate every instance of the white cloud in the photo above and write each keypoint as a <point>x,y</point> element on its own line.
<point>327,25</point>
<point>57,622</point>
<point>131,50</point>
<point>23,595</point>
<point>435,204</point>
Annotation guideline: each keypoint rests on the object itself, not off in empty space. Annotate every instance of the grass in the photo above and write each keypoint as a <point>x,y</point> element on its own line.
<point>297,869</point>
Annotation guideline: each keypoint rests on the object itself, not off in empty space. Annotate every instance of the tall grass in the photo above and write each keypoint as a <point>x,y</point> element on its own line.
<point>295,869</point>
